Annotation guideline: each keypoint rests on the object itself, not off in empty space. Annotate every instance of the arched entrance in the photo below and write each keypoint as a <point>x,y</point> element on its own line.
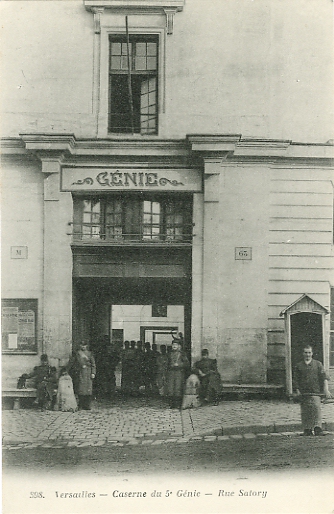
<point>304,324</point>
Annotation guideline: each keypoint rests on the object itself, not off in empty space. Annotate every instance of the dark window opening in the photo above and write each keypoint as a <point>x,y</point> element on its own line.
<point>159,311</point>
<point>138,112</point>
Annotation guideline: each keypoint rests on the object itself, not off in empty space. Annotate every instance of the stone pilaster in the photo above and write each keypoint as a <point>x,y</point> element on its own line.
<point>57,281</point>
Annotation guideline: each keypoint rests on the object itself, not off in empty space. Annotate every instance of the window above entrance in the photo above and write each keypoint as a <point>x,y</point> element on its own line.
<point>132,219</point>
<point>133,79</point>
<point>130,65</point>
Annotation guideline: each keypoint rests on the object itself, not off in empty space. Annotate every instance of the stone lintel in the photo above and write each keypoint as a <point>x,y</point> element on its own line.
<point>167,7</point>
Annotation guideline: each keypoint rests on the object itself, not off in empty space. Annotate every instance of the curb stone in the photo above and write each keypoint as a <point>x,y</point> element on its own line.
<point>147,442</point>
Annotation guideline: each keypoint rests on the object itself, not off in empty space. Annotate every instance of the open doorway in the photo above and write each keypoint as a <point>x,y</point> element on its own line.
<point>142,322</point>
<point>131,309</point>
<point>306,328</point>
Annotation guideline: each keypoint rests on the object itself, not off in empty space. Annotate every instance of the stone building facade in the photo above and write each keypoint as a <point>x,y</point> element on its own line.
<point>170,154</point>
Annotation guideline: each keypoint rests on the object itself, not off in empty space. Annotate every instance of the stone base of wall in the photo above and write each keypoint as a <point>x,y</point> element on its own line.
<point>241,355</point>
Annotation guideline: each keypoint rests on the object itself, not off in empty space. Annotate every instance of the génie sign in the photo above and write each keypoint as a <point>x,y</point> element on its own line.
<point>92,179</point>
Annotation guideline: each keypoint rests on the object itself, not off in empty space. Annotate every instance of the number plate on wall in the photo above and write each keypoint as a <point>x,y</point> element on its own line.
<point>243,253</point>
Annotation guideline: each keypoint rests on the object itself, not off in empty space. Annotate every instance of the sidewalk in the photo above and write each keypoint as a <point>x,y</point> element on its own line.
<point>150,421</point>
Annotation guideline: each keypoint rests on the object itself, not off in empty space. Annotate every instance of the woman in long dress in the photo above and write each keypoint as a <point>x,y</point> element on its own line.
<point>66,401</point>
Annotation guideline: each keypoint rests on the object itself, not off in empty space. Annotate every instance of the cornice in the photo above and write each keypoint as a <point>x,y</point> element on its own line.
<point>239,147</point>
<point>229,148</point>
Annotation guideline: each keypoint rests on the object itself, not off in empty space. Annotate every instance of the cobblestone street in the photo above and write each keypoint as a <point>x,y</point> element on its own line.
<point>149,421</point>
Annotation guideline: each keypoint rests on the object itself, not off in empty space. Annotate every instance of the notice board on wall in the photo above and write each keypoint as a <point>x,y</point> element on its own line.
<point>19,325</point>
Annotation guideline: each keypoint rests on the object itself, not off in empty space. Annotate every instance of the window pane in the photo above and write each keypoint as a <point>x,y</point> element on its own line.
<point>95,232</point>
<point>141,49</point>
<point>151,98</point>
<point>125,48</point>
<point>144,87</point>
<point>124,62</point>
<point>140,63</point>
<point>151,63</point>
<point>152,84</point>
<point>151,123</point>
<point>115,63</point>
<point>151,49</point>
<point>155,206</point>
<point>116,48</point>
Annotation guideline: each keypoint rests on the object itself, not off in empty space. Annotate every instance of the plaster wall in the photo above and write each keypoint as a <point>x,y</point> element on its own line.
<point>22,225</point>
<point>300,249</point>
<point>235,291</point>
<point>263,69</point>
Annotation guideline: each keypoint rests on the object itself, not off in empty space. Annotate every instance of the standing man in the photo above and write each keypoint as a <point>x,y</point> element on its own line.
<point>311,381</point>
<point>84,364</point>
<point>177,372</point>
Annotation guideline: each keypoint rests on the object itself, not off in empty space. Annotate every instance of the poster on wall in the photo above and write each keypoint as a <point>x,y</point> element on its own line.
<point>18,325</point>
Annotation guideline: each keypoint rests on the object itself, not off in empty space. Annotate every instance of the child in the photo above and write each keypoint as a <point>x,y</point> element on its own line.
<point>66,401</point>
<point>191,391</point>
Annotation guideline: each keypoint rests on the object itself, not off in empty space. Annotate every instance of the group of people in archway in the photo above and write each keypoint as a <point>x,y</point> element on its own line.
<point>164,372</point>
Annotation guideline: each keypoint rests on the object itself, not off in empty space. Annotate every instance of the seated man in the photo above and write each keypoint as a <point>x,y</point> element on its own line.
<point>45,382</point>
<point>209,377</point>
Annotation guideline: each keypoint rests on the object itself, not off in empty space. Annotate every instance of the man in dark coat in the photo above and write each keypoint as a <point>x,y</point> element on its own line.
<point>45,381</point>
<point>209,377</point>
